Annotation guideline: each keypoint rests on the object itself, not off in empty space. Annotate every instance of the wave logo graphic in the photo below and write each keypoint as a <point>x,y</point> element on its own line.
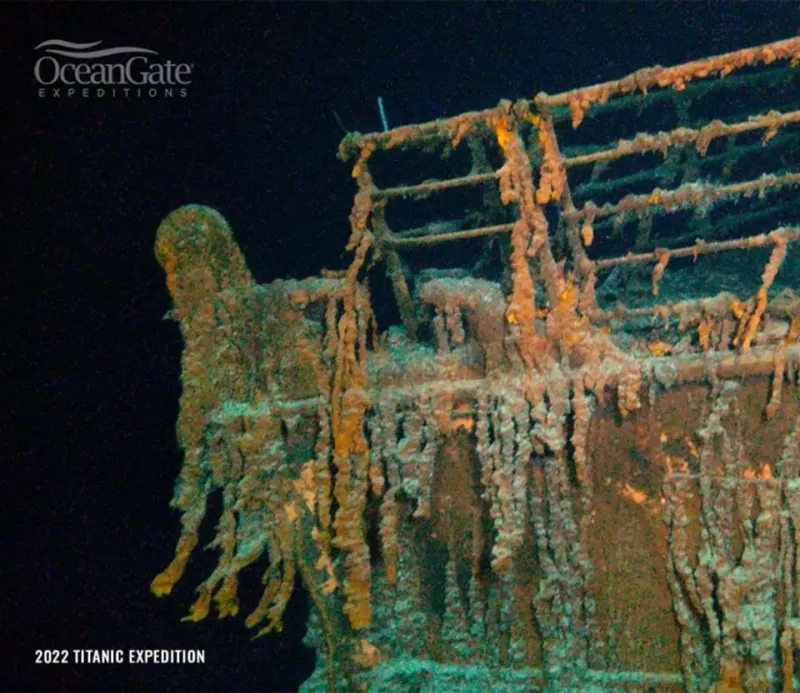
<point>81,50</point>
<point>82,66</point>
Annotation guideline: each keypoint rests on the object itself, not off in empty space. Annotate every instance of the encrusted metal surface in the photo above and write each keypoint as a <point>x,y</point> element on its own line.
<point>576,466</point>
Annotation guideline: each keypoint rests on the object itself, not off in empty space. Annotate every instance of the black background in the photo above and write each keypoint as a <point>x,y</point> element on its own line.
<point>90,370</point>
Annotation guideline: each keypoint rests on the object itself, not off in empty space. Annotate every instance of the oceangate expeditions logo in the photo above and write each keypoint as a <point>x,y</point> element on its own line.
<point>69,70</point>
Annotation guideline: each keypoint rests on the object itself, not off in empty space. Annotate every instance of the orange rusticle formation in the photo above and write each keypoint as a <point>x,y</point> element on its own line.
<point>748,323</point>
<point>528,237</point>
<point>461,494</point>
<point>250,352</point>
<point>580,100</point>
<point>552,179</point>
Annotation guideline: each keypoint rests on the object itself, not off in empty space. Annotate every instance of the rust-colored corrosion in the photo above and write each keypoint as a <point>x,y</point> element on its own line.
<point>576,465</point>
